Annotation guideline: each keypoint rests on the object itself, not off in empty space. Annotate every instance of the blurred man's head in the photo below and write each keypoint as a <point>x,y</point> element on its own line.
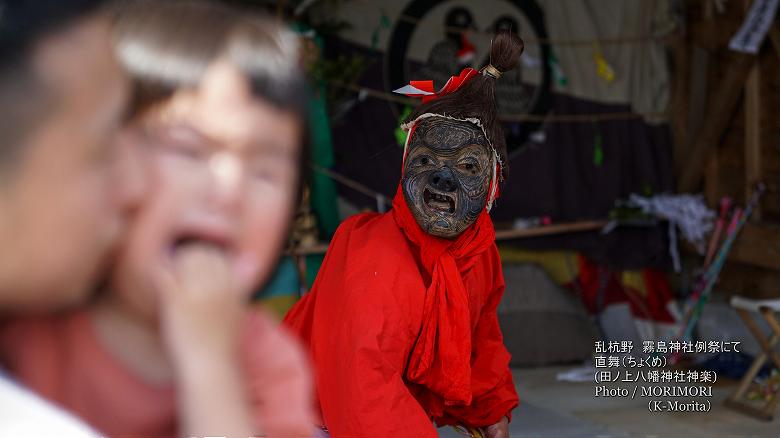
<point>65,185</point>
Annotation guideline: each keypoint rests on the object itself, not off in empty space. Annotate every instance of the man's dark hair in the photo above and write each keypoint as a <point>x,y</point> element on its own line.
<point>22,99</point>
<point>22,23</point>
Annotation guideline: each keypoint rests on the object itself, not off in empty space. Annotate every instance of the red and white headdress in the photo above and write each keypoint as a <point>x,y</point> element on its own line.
<point>426,91</point>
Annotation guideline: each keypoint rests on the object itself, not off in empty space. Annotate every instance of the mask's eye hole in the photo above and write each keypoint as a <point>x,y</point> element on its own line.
<point>424,161</point>
<point>469,167</point>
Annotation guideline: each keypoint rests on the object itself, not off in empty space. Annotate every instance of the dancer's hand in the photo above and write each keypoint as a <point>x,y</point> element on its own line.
<point>498,430</point>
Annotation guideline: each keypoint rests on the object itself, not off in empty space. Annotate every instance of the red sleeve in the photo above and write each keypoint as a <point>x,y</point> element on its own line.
<point>12,337</point>
<point>278,378</point>
<point>360,363</point>
<point>24,342</point>
<point>493,388</point>
<point>30,350</point>
<point>6,343</point>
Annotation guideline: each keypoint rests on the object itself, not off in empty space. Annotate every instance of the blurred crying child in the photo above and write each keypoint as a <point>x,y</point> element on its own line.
<point>169,345</point>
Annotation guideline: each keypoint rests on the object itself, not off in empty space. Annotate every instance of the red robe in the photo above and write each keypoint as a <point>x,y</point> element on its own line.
<point>402,328</point>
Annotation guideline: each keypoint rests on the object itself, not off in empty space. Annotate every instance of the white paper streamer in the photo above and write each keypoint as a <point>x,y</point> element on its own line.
<point>689,213</point>
<point>755,27</point>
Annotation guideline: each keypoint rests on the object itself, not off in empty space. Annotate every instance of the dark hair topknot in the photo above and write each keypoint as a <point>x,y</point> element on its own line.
<point>477,97</point>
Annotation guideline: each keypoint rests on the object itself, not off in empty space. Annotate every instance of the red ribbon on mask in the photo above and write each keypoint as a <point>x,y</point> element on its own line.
<point>425,90</point>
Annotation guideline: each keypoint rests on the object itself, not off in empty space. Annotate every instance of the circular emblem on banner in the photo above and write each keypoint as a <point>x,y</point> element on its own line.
<point>436,39</point>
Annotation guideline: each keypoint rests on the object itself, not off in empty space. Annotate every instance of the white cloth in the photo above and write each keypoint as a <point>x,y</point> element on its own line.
<point>641,67</point>
<point>755,27</point>
<point>24,414</point>
<point>640,63</point>
<point>743,303</point>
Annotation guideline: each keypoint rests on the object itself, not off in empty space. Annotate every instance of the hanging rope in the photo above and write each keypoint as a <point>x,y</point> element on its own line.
<point>549,118</point>
<point>381,200</point>
<point>620,39</point>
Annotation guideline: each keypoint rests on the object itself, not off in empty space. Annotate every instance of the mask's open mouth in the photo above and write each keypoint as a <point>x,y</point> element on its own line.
<point>439,201</point>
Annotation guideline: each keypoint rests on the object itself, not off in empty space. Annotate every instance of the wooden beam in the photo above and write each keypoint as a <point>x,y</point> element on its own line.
<point>758,244</point>
<point>718,116</point>
<point>748,281</point>
<point>546,230</point>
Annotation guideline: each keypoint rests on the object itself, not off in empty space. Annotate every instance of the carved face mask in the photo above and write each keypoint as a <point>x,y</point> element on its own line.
<point>447,174</point>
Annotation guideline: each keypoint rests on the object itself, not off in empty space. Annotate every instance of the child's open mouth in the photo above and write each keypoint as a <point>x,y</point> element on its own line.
<point>439,201</point>
<point>187,240</point>
<point>212,239</point>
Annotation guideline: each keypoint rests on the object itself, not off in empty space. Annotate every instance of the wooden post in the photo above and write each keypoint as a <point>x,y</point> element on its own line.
<point>700,75</point>
<point>774,37</point>
<point>717,119</point>
<point>681,92</point>
<point>753,133</point>
<point>700,79</point>
<point>712,179</point>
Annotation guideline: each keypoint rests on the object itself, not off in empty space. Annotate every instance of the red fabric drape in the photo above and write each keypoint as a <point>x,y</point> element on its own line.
<point>402,328</point>
<point>440,358</point>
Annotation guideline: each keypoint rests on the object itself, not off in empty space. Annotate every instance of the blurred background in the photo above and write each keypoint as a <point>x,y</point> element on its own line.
<point>642,194</point>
